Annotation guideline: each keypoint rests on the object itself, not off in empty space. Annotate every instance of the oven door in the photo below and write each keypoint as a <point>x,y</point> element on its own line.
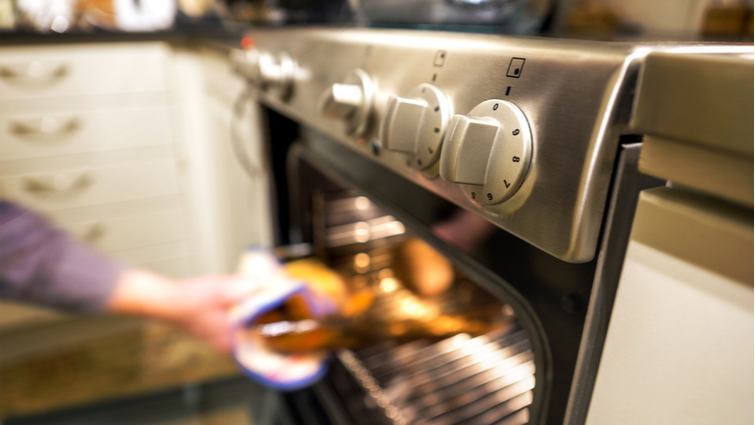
<point>353,211</point>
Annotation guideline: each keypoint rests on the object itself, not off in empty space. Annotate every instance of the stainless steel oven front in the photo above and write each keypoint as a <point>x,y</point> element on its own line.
<point>509,156</point>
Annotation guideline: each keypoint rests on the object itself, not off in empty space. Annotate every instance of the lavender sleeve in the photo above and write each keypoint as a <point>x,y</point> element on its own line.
<point>42,265</point>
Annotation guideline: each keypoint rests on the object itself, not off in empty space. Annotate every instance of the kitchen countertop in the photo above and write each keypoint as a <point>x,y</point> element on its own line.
<point>120,361</point>
<point>201,33</point>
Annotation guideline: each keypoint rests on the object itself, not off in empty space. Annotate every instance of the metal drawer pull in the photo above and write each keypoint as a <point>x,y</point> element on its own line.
<point>43,186</point>
<point>34,73</point>
<point>47,127</point>
<point>94,233</point>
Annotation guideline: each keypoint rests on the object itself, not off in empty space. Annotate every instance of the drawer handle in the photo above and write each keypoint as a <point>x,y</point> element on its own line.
<point>46,127</point>
<point>44,186</point>
<point>35,73</point>
<point>94,233</point>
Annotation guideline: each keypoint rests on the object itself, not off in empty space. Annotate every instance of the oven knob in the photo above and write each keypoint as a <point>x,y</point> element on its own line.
<point>350,101</point>
<point>487,151</point>
<point>265,69</point>
<point>415,124</point>
<point>245,62</point>
<point>276,70</point>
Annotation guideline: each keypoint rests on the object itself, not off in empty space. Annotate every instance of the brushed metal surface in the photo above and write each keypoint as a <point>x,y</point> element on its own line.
<point>576,95</point>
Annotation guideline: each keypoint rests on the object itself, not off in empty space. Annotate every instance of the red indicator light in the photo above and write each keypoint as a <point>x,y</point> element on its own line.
<point>247,42</point>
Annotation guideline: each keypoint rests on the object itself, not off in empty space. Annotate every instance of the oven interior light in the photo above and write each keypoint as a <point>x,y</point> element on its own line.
<point>362,262</point>
<point>361,203</point>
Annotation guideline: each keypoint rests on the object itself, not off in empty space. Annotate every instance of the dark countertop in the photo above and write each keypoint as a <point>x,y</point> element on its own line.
<point>121,359</point>
<point>216,34</point>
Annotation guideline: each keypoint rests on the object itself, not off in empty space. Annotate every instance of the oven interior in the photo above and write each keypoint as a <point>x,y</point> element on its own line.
<point>487,379</point>
<point>497,378</point>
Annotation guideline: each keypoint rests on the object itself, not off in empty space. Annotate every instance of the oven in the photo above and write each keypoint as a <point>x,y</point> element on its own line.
<point>510,157</point>
<point>353,212</point>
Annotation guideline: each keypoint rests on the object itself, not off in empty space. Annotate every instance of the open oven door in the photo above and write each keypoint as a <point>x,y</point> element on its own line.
<point>352,211</point>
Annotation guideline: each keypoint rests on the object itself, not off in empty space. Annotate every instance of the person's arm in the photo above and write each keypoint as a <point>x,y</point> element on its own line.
<point>200,306</point>
<point>40,264</point>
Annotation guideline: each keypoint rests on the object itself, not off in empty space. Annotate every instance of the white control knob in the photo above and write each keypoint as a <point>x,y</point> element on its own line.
<point>265,69</point>
<point>276,70</point>
<point>350,101</point>
<point>245,62</point>
<point>415,124</point>
<point>487,151</point>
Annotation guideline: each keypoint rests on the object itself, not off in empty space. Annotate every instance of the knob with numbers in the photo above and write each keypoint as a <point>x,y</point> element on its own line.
<point>415,124</point>
<point>350,101</point>
<point>487,151</point>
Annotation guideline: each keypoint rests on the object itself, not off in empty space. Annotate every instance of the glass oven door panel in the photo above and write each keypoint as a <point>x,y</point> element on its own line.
<point>347,205</point>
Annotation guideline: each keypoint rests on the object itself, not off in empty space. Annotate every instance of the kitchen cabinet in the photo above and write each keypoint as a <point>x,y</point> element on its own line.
<point>127,147</point>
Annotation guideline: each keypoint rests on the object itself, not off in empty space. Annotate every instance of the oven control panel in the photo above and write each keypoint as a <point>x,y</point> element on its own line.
<point>521,131</point>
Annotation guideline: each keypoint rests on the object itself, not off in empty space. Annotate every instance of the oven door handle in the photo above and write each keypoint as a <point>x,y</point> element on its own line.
<point>254,168</point>
<point>293,251</point>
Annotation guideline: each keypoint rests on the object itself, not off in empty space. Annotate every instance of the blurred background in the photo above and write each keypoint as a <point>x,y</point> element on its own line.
<point>139,88</point>
<point>587,18</point>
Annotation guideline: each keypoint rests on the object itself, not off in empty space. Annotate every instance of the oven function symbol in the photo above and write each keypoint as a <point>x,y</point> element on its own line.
<point>440,58</point>
<point>487,151</point>
<point>516,67</point>
<point>414,125</point>
<point>350,101</point>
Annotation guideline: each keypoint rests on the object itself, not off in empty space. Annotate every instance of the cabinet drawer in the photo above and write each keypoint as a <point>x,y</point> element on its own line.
<point>92,185</point>
<point>133,231</point>
<point>175,268</point>
<point>151,257</point>
<point>67,70</point>
<point>24,136</point>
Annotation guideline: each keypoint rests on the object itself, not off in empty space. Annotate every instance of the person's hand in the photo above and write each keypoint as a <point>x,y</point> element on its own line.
<point>218,309</point>
<point>200,306</point>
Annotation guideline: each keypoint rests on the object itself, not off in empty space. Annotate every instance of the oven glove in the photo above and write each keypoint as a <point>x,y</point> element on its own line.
<point>268,289</point>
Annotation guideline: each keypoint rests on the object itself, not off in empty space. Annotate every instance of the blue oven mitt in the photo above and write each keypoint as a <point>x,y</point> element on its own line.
<point>268,289</point>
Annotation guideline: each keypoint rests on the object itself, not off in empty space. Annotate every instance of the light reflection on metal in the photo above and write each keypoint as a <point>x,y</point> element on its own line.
<point>364,231</point>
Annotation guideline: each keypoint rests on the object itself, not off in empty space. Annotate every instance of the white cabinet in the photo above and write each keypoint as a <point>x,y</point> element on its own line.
<point>44,72</point>
<point>231,208</point>
<point>127,146</point>
<point>679,347</point>
<point>44,131</point>
<point>91,184</point>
